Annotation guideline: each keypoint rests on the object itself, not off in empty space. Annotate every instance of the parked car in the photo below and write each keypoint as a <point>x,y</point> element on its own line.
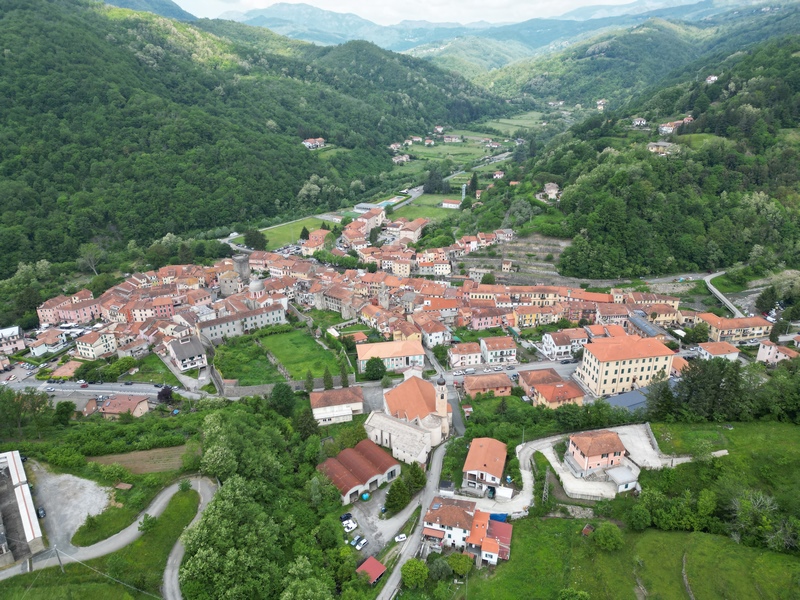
<point>84,385</point>
<point>356,540</point>
<point>345,517</point>
<point>349,526</point>
<point>50,389</point>
<point>80,381</point>
<point>361,544</point>
<point>400,538</point>
<point>510,368</point>
<point>41,512</point>
<point>498,369</point>
<point>128,383</point>
<point>51,381</point>
<point>566,361</point>
<point>458,372</point>
<point>487,370</point>
<point>158,385</point>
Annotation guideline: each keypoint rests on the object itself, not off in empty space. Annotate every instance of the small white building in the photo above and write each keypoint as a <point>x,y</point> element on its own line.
<point>337,406</point>
<point>464,355</point>
<point>187,353</point>
<point>499,350</point>
<point>709,350</point>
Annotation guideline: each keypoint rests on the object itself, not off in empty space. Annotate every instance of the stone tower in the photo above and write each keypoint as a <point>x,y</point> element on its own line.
<point>441,404</point>
<point>241,264</point>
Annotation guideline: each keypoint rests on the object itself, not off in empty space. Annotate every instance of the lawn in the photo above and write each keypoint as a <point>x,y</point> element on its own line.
<point>153,370</point>
<point>469,335</point>
<point>140,564</point>
<point>459,153</point>
<point>550,555</point>
<point>299,352</point>
<point>697,140</point>
<point>289,233</point>
<point>726,286</point>
<point>429,211</point>
<point>324,318</point>
<point>156,460</point>
<point>510,125</point>
<point>246,362</point>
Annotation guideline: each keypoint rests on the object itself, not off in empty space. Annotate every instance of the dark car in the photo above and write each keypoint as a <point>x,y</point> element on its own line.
<point>345,517</point>
<point>566,361</point>
<point>158,385</point>
<point>510,368</point>
<point>23,458</point>
<point>575,360</point>
<point>128,383</point>
<point>51,381</point>
<point>40,511</point>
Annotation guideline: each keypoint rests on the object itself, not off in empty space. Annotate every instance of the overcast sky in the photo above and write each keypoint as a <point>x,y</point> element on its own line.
<point>387,12</point>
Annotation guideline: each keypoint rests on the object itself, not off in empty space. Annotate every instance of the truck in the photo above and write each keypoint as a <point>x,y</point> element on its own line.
<point>469,371</point>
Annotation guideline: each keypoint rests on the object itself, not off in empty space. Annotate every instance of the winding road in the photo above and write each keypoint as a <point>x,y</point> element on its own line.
<point>69,553</point>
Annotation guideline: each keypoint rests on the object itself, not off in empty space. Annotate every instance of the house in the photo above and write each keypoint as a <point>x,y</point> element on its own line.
<point>114,406</point>
<point>187,353</point>
<point>395,355</point>
<point>438,129</point>
<point>313,143</point>
<point>96,344</point>
<point>563,344</point>
<point>458,524</point>
<point>498,174</point>
<point>359,470</point>
<point>528,379</point>
<point>49,341</point>
<point>711,79</point>
<point>337,406</point>
<point>11,340</point>
<point>451,203</point>
<point>555,394</point>
<point>771,353</point>
<point>497,350</point>
<point>399,160</point>
<point>435,334</point>
<point>661,148</point>
<point>373,568</point>
<point>601,104</point>
<point>483,467</point>
<point>451,139</point>
<point>618,364</point>
<point>590,451</point>
<point>241,323</point>
<point>709,350</point>
<point>464,355</point>
<point>639,122</point>
<point>498,383</point>
<point>735,330</point>
<point>506,266</point>
<point>429,142</point>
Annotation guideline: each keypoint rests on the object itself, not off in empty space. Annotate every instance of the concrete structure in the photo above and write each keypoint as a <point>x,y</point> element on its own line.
<point>241,323</point>
<point>619,364</point>
<point>771,353</point>
<point>395,355</point>
<point>337,406</point>
<point>464,355</point>
<point>16,481</point>
<point>483,467</point>
<point>409,442</point>
<point>420,402</point>
<point>561,345</point>
<point>360,470</point>
<point>95,344</point>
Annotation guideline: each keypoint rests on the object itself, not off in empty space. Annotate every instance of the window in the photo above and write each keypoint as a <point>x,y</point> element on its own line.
<point>605,455</point>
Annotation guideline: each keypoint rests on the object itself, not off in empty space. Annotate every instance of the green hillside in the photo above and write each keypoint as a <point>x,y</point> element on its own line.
<point>121,126</point>
<point>727,193</point>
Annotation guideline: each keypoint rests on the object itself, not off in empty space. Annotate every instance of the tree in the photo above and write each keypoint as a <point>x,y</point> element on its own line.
<point>282,399</point>
<point>165,394</point>
<point>573,594</point>
<point>375,369</point>
<point>473,183</point>
<point>306,425</point>
<point>608,536</point>
<point>254,239</point>
<point>440,570</point>
<point>344,380</point>
<point>304,234</point>
<point>89,256</point>
<point>415,478</point>
<point>386,381</point>
<point>639,518</point>
<point>766,300</point>
<point>309,385</point>
<point>327,379</point>
<point>398,496</point>
<point>63,413</point>
<point>460,563</point>
<point>488,279</point>
<point>414,573</point>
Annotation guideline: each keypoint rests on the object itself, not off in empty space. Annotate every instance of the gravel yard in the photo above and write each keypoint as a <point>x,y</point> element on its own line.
<point>68,500</point>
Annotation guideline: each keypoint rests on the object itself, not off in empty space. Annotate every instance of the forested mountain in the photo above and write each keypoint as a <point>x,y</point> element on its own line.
<point>165,8</point>
<point>118,126</point>
<point>728,192</point>
<point>622,64</point>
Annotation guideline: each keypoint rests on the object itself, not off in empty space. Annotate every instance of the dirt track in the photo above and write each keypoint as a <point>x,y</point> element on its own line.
<point>146,461</point>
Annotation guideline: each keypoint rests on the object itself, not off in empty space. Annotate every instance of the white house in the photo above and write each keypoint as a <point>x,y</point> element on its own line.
<point>187,353</point>
<point>435,334</point>
<point>337,406</point>
<point>709,350</point>
<point>771,353</point>
<point>484,465</point>
<point>499,350</point>
<point>464,355</point>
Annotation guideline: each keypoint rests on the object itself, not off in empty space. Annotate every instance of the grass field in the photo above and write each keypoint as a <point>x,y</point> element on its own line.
<point>153,370</point>
<point>324,318</point>
<point>427,206</point>
<point>246,362</point>
<point>289,233</point>
<point>726,286</point>
<point>461,152</point>
<point>299,352</point>
<point>697,140</point>
<point>550,555</point>
<point>524,121</point>
<point>140,564</point>
<point>146,461</point>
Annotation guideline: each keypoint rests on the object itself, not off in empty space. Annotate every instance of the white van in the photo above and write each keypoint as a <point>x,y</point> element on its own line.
<point>469,371</point>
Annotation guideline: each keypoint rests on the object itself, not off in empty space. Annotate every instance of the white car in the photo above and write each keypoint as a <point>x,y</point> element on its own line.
<point>400,538</point>
<point>487,370</point>
<point>349,525</point>
<point>80,381</point>
<point>458,372</point>
<point>50,389</point>
<point>361,544</point>
<point>498,369</point>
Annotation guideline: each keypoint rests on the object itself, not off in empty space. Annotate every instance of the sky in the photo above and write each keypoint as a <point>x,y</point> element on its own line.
<point>386,12</point>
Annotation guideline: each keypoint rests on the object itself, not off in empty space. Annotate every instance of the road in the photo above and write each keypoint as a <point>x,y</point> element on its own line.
<point>69,553</point>
<point>720,296</point>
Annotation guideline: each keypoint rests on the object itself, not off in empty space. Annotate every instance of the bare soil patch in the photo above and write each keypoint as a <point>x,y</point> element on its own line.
<point>146,461</point>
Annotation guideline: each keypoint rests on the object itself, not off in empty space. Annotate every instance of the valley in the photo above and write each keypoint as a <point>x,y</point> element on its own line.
<point>298,305</point>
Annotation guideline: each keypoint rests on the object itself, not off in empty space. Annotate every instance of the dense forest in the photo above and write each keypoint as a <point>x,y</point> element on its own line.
<point>119,126</point>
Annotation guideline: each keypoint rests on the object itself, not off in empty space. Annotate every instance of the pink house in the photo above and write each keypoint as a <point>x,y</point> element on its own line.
<point>486,318</point>
<point>592,450</point>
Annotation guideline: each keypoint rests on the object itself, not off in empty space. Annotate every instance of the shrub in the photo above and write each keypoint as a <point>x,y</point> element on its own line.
<point>608,536</point>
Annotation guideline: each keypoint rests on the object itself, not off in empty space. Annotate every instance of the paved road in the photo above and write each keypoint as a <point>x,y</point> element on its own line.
<point>70,553</point>
<point>720,296</point>
<point>171,588</point>
<point>412,544</point>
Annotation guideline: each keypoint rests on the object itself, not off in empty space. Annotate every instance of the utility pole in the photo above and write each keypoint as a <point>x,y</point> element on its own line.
<point>58,556</point>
